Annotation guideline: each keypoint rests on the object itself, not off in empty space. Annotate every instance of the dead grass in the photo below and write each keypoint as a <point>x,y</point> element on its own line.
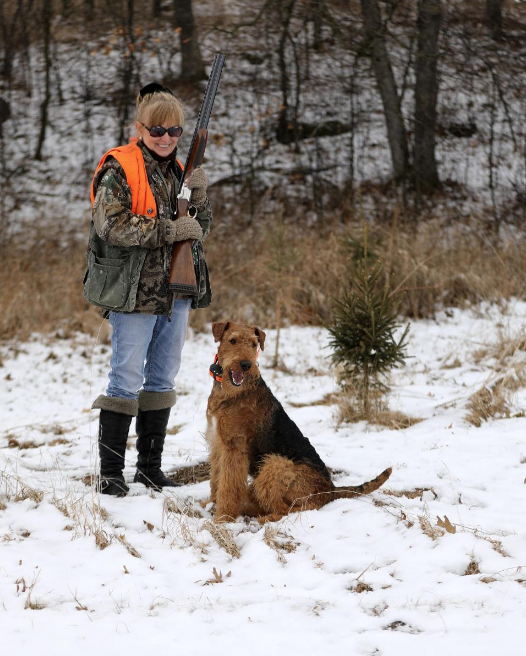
<point>13,488</point>
<point>87,515</point>
<point>13,443</point>
<point>129,548</point>
<point>191,474</point>
<point>360,587</point>
<point>351,411</point>
<point>460,268</point>
<point>224,538</point>
<point>472,568</point>
<point>433,532</point>
<point>279,541</point>
<point>487,403</point>
<point>416,493</point>
<point>181,507</point>
<point>50,274</point>
<point>495,399</point>
<point>328,399</point>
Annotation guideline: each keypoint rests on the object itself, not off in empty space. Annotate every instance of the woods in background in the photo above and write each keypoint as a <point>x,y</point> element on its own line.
<point>324,78</point>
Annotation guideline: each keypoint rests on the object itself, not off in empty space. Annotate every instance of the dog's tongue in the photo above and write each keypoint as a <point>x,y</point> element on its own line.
<point>237,377</point>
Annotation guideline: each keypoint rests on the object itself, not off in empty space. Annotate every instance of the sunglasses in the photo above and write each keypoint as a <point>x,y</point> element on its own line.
<point>159,131</point>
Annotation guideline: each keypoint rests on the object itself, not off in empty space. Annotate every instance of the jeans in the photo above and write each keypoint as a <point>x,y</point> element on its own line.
<point>146,351</point>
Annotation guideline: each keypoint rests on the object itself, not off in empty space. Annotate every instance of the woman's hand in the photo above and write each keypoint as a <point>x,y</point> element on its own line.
<point>186,227</point>
<point>198,183</point>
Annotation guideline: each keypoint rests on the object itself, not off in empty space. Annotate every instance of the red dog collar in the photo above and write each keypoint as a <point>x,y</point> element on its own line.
<point>216,370</point>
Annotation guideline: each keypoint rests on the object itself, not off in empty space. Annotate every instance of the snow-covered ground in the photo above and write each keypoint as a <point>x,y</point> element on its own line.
<point>373,575</point>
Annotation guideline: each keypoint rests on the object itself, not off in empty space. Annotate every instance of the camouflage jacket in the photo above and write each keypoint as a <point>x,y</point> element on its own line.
<point>128,257</point>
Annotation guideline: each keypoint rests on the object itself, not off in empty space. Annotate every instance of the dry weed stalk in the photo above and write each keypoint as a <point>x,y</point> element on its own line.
<point>417,493</point>
<point>16,489</point>
<point>182,528</point>
<point>218,577</point>
<point>433,532</point>
<point>223,536</point>
<point>32,604</point>
<point>350,410</point>
<point>472,568</point>
<point>494,399</point>
<point>279,541</point>
<point>87,514</point>
<point>129,548</point>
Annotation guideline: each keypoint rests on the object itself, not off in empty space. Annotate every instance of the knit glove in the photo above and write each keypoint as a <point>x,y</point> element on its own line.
<point>183,228</point>
<point>198,184</point>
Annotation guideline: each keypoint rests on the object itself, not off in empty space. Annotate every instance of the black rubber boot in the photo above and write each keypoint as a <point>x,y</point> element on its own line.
<point>113,435</point>
<point>151,432</point>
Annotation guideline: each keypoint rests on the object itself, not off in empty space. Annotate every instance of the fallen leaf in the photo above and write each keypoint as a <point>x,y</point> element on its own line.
<point>445,523</point>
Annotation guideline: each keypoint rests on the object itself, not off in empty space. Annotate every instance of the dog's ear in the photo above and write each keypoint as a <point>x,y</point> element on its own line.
<point>261,337</point>
<point>218,329</point>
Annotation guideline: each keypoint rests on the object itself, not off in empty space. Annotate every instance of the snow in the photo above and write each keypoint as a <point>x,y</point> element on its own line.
<point>359,576</point>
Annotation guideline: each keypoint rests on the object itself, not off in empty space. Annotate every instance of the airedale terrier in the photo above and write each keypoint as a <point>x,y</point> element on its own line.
<point>249,432</point>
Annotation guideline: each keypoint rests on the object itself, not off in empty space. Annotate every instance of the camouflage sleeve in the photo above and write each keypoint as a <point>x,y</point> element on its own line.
<point>112,216</point>
<point>204,216</point>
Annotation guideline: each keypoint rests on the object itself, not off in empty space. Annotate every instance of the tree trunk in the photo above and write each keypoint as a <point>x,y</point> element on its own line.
<point>385,80</point>
<point>426,93</point>
<point>127,71</point>
<point>89,8</point>
<point>47,13</point>
<point>316,16</point>
<point>494,18</point>
<point>156,8</point>
<point>192,66</point>
<point>287,130</point>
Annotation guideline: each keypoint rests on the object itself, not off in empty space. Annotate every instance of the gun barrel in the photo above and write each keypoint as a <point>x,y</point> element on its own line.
<point>210,93</point>
<point>206,107</point>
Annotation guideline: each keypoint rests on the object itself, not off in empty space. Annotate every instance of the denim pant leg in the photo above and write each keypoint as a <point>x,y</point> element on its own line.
<point>131,337</point>
<point>163,359</point>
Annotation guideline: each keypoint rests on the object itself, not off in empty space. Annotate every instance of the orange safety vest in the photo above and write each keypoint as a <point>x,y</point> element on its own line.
<point>132,161</point>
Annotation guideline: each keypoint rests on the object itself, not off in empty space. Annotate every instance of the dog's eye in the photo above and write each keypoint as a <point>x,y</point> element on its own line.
<point>232,341</point>
<point>254,345</point>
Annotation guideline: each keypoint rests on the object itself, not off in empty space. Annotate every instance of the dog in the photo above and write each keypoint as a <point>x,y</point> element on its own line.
<point>249,433</point>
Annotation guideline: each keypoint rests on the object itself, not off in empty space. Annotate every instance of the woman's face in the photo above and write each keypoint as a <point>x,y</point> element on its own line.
<point>162,146</point>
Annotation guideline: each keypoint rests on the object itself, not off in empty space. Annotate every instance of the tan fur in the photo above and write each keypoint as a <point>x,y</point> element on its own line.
<point>237,415</point>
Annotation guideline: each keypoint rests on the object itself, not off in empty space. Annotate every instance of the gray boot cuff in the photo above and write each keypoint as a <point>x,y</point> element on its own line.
<point>116,404</point>
<point>156,400</point>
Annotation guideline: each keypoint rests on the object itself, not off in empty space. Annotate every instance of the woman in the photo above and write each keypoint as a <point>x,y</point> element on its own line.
<point>131,239</point>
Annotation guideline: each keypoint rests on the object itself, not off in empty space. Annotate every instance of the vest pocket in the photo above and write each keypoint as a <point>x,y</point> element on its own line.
<point>107,281</point>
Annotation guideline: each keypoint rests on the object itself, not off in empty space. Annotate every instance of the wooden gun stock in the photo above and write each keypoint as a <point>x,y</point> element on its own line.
<point>182,271</point>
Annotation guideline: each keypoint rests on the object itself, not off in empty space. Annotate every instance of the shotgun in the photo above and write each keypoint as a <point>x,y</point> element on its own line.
<point>182,272</point>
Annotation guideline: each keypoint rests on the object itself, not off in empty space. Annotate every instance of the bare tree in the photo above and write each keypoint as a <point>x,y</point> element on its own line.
<point>396,133</point>
<point>15,22</point>
<point>494,18</point>
<point>156,8</point>
<point>127,70</point>
<point>287,130</point>
<point>426,93</point>
<point>192,66</point>
<point>47,15</point>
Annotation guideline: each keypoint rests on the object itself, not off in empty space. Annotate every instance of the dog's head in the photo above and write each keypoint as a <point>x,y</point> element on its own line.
<point>237,353</point>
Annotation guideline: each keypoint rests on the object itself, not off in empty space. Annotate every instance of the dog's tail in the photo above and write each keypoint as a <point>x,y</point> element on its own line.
<point>358,490</point>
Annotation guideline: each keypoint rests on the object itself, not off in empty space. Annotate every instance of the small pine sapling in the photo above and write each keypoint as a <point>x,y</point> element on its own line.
<point>363,333</point>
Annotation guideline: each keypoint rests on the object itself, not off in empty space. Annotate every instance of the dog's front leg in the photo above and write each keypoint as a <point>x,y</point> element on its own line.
<point>215,469</point>
<point>231,484</point>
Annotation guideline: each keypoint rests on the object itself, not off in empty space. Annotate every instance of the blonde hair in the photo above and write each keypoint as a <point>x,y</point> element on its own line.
<point>159,108</point>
